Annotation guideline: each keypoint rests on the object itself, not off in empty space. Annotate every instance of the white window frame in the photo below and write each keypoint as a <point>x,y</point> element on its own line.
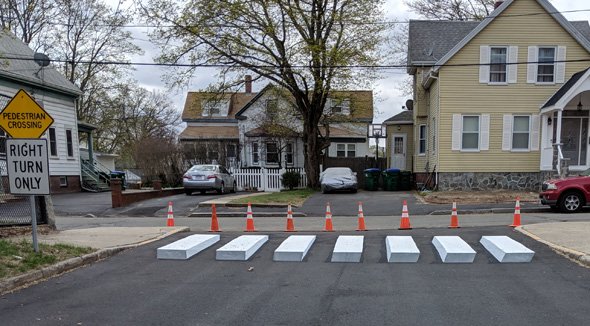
<point>529,132</point>
<point>341,150</point>
<point>255,153</point>
<point>289,154</point>
<point>463,149</point>
<point>50,140</point>
<point>506,61</point>
<point>342,106</point>
<point>422,137</point>
<point>348,150</point>
<point>70,144</point>
<point>546,64</point>
<point>63,181</point>
<point>267,152</point>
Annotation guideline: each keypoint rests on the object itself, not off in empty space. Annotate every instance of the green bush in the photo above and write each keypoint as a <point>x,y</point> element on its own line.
<point>290,179</point>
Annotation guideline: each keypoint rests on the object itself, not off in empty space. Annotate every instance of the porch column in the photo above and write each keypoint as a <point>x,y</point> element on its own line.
<point>90,150</point>
<point>558,130</point>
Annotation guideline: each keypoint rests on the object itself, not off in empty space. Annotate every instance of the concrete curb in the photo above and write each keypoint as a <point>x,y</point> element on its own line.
<point>243,214</point>
<point>224,204</point>
<point>493,211</point>
<point>32,277</point>
<point>577,256</point>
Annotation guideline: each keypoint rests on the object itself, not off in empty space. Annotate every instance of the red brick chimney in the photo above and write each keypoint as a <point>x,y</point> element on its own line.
<point>248,82</point>
<point>498,3</point>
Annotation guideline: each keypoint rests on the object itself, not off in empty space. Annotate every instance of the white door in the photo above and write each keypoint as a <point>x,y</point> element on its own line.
<point>398,151</point>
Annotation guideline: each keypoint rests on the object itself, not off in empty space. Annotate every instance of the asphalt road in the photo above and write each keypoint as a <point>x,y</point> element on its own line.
<point>134,288</point>
<point>376,203</point>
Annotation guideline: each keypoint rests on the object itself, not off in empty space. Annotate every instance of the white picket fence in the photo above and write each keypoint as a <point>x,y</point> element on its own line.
<point>264,179</point>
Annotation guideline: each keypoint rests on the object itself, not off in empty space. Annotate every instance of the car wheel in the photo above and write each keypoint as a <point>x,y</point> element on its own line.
<point>221,190</point>
<point>233,189</point>
<point>202,192</point>
<point>188,192</point>
<point>324,190</point>
<point>571,202</point>
<point>353,191</point>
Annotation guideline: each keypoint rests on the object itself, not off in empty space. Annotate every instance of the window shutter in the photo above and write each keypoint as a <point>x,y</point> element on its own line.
<point>456,134</point>
<point>512,68</point>
<point>484,61</point>
<point>535,120</point>
<point>531,74</point>
<point>507,133</point>
<point>346,107</point>
<point>560,66</point>
<point>484,134</point>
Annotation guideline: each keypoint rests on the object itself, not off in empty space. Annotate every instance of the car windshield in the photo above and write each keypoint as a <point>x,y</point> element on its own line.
<point>203,168</point>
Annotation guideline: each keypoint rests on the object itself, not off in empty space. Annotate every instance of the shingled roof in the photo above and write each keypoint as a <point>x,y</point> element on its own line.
<point>194,111</point>
<point>18,65</point>
<point>405,117</point>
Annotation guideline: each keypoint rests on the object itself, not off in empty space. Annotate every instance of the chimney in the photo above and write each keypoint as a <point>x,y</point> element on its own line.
<point>248,82</point>
<point>498,3</point>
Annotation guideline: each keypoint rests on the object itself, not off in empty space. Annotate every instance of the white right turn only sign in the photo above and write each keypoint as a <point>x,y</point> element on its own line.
<point>28,167</point>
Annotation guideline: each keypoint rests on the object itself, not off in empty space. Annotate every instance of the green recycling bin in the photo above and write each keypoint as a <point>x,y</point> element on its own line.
<point>372,179</point>
<point>119,175</point>
<point>405,180</point>
<point>391,179</point>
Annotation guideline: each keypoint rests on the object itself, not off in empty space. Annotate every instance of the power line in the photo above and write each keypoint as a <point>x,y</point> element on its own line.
<point>191,65</point>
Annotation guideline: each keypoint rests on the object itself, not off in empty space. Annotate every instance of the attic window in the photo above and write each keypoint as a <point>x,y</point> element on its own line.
<point>340,106</point>
<point>498,58</point>
<point>213,108</point>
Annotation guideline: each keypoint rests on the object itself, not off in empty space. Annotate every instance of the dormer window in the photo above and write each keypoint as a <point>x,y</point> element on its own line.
<point>215,108</point>
<point>340,106</point>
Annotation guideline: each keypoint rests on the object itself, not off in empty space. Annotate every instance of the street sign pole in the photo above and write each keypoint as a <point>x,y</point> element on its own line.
<point>34,222</point>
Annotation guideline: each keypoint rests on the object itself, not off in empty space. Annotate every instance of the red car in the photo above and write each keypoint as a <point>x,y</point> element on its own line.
<point>568,195</point>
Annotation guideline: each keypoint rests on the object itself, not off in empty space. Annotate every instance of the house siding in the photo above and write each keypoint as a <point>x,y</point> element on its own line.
<point>461,92</point>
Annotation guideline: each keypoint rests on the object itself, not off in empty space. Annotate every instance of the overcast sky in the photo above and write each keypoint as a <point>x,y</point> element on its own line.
<point>388,98</point>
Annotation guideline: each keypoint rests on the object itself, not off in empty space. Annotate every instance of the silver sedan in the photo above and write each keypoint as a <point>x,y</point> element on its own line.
<point>208,177</point>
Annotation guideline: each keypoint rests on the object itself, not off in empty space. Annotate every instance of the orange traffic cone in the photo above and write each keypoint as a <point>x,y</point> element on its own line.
<point>405,220</point>
<point>249,220</point>
<point>361,218</point>
<point>170,220</point>
<point>214,223</point>
<point>328,227</point>
<point>290,225</point>
<point>516,220</point>
<point>454,218</point>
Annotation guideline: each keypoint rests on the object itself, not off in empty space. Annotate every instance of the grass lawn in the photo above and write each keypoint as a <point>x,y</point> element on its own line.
<point>295,197</point>
<point>19,257</point>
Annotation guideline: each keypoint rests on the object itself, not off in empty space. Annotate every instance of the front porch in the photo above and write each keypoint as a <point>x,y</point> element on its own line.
<point>565,121</point>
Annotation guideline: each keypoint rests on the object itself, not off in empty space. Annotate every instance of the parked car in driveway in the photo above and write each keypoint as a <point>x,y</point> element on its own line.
<point>569,194</point>
<point>333,179</point>
<point>208,177</point>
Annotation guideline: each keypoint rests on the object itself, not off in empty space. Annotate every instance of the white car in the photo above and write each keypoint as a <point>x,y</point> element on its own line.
<point>208,177</point>
<point>333,179</point>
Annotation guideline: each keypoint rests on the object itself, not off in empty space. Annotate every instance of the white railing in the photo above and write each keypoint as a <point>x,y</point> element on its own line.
<point>264,179</point>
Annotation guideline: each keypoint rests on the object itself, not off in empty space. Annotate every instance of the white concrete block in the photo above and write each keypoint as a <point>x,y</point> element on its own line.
<point>453,249</point>
<point>187,247</point>
<point>401,249</point>
<point>506,250</point>
<point>348,249</point>
<point>294,248</point>
<point>241,248</point>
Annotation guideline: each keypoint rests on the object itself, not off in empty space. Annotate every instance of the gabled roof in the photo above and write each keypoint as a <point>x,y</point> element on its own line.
<point>25,70</point>
<point>405,117</point>
<point>209,132</point>
<point>361,103</point>
<point>435,42</point>
<point>565,88</point>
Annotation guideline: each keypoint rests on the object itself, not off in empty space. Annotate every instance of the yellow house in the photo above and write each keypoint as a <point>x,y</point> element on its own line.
<point>502,103</point>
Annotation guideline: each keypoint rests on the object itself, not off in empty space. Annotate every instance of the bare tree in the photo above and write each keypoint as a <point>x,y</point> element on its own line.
<point>452,9</point>
<point>306,47</point>
<point>27,19</point>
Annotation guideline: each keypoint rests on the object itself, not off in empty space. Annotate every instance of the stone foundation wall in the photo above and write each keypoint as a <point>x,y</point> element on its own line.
<point>529,181</point>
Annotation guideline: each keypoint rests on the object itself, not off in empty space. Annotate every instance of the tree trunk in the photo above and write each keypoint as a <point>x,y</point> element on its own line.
<point>312,155</point>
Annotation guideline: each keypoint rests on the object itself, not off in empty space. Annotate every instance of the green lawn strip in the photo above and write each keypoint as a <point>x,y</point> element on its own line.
<point>295,197</point>
<point>19,257</point>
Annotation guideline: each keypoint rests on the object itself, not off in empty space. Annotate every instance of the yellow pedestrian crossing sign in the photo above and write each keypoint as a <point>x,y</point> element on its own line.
<point>24,118</point>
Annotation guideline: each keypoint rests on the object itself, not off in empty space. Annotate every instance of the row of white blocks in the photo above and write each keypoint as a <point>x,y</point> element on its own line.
<point>348,248</point>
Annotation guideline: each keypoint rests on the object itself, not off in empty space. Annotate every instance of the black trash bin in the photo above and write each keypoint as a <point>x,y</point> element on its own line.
<point>119,175</point>
<point>391,179</point>
<point>405,180</point>
<point>372,179</point>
